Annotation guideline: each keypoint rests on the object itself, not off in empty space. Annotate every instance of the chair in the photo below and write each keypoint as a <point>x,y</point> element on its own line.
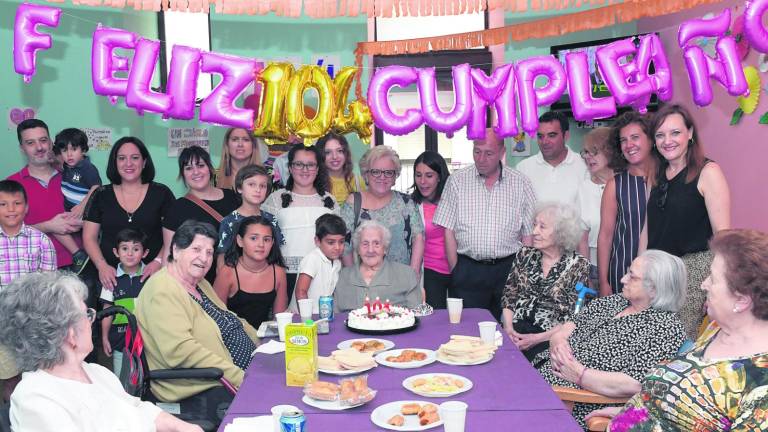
<point>571,396</point>
<point>137,376</point>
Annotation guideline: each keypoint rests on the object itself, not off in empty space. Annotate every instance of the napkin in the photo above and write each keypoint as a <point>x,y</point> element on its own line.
<point>250,424</point>
<point>271,347</point>
<point>499,338</point>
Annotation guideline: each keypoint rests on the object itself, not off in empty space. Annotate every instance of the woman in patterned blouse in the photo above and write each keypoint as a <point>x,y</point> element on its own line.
<point>721,384</point>
<point>540,290</point>
<point>610,346</point>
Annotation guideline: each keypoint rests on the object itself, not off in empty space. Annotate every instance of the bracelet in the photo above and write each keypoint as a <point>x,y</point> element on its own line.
<point>581,377</point>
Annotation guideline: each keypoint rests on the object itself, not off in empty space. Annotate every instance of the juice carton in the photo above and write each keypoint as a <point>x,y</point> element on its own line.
<point>300,354</point>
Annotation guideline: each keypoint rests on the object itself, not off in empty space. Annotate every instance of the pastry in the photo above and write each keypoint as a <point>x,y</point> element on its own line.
<point>410,409</point>
<point>396,420</point>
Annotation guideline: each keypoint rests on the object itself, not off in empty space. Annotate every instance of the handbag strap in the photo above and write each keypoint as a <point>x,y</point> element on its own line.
<point>203,205</point>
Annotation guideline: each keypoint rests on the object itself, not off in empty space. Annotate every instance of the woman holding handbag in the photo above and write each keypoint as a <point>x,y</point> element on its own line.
<point>203,201</point>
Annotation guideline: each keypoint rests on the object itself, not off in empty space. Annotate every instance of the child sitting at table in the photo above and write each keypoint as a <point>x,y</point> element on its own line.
<point>130,249</point>
<point>319,270</point>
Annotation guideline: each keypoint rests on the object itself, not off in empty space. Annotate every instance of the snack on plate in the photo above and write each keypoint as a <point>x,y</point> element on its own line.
<point>322,390</point>
<point>410,409</point>
<point>395,318</point>
<point>346,359</point>
<point>465,349</point>
<point>437,384</point>
<point>370,346</point>
<point>427,413</point>
<point>396,420</point>
<point>406,356</point>
<point>355,391</point>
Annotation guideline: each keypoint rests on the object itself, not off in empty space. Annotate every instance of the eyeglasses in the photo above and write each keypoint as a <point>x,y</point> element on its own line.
<point>584,153</point>
<point>90,313</point>
<point>662,200</point>
<point>378,173</point>
<point>301,166</point>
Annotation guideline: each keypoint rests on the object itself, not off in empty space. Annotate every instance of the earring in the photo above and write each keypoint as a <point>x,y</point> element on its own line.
<point>736,309</point>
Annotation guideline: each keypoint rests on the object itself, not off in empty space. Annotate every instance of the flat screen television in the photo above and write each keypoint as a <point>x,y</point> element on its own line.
<point>599,89</point>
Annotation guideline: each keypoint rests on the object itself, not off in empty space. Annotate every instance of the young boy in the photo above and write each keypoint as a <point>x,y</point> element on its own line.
<point>319,270</point>
<point>79,179</point>
<point>23,249</point>
<point>252,184</point>
<point>130,249</point>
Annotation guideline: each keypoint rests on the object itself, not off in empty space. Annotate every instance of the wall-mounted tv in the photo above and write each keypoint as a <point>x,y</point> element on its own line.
<point>599,89</point>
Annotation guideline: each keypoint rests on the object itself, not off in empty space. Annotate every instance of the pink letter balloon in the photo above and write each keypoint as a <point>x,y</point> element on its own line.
<point>26,39</point>
<point>499,90</point>
<point>754,29</point>
<point>182,81</point>
<point>219,107</point>
<point>531,97</point>
<point>623,80</point>
<point>446,122</point>
<point>584,106</point>
<point>384,79</point>
<point>139,96</point>
<point>104,63</point>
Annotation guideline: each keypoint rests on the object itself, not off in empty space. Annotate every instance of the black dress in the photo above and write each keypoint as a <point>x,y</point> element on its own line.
<point>104,209</point>
<point>253,307</point>
<point>183,209</point>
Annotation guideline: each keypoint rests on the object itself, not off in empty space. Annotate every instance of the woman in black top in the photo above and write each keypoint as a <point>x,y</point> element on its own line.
<point>689,203</point>
<point>253,281</point>
<point>203,201</point>
<point>132,200</point>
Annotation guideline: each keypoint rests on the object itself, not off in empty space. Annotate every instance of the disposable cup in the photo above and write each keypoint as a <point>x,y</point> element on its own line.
<point>455,305</point>
<point>277,411</point>
<point>454,415</point>
<point>305,309</point>
<point>283,319</point>
<point>487,331</point>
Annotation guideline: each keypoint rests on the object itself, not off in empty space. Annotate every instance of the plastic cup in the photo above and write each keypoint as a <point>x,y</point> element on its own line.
<point>454,415</point>
<point>277,411</point>
<point>283,319</point>
<point>305,309</point>
<point>455,305</point>
<point>487,331</point>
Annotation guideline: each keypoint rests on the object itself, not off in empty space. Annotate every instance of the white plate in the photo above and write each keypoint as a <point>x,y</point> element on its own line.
<point>388,344</point>
<point>467,385</point>
<point>453,363</point>
<point>381,358</point>
<point>328,405</point>
<point>346,371</point>
<point>381,414</point>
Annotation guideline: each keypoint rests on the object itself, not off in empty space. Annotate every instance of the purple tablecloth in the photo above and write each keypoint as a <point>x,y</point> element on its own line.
<point>507,390</point>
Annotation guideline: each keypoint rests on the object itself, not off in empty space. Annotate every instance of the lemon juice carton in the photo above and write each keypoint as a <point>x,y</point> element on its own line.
<point>300,354</point>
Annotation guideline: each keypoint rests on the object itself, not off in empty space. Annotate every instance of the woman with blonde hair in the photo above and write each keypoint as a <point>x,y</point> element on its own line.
<point>240,148</point>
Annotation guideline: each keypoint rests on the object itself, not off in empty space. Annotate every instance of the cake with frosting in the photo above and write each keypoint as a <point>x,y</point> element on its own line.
<point>391,318</point>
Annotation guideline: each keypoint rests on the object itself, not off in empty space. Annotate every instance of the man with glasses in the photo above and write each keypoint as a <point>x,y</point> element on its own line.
<point>556,171</point>
<point>487,211</point>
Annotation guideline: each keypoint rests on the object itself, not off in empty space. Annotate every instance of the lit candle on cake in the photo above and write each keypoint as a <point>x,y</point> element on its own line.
<point>377,304</point>
<point>386,304</point>
<point>367,304</point>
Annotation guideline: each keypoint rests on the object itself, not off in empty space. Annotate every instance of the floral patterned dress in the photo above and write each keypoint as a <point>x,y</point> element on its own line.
<point>694,394</point>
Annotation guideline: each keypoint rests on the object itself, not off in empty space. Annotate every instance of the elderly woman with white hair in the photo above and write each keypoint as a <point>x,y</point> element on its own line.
<point>374,275</point>
<point>611,345</point>
<point>381,167</point>
<point>48,328</point>
<point>540,291</point>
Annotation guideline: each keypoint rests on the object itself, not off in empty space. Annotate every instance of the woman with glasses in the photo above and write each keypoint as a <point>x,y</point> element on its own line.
<point>48,328</point>
<point>395,210</point>
<point>690,202</point>
<point>597,154</point>
<point>297,206</point>
<point>622,209</point>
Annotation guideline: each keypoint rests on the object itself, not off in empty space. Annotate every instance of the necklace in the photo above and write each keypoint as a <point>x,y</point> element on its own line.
<point>252,271</point>
<point>134,207</point>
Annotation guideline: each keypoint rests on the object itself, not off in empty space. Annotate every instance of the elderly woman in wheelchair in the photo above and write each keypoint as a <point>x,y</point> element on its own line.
<point>48,329</point>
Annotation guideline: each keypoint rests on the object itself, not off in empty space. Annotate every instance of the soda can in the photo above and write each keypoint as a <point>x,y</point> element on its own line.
<point>293,421</point>
<point>325,303</point>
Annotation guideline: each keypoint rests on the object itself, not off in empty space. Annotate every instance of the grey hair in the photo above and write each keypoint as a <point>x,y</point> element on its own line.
<point>666,275</point>
<point>567,223</point>
<point>186,233</point>
<point>377,152</point>
<point>386,236</point>
<point>37,311</point>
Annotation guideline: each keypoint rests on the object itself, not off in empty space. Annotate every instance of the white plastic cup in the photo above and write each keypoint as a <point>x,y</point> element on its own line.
<point>454,415</point>
<point>455,306</point>
<point>277,411</point>
<point>305,309</point>
<point>283,319</point>
<point>487,331</point>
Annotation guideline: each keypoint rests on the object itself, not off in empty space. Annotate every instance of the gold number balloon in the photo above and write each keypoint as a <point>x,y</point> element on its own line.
<point>305,78</point>
<point>353,117</point>
<point>270,122</point>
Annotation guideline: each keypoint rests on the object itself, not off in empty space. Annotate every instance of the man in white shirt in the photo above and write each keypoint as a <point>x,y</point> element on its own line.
<point>556,171</point>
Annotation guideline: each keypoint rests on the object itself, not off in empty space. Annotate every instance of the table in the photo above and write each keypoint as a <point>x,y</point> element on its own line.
<point>507,390</point>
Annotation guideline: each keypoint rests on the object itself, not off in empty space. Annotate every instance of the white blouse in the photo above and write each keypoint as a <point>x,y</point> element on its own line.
<point>589,197</point>
<point>46,403</point>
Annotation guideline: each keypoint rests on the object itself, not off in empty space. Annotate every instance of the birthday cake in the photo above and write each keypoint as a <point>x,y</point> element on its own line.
<point>380,317</point>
